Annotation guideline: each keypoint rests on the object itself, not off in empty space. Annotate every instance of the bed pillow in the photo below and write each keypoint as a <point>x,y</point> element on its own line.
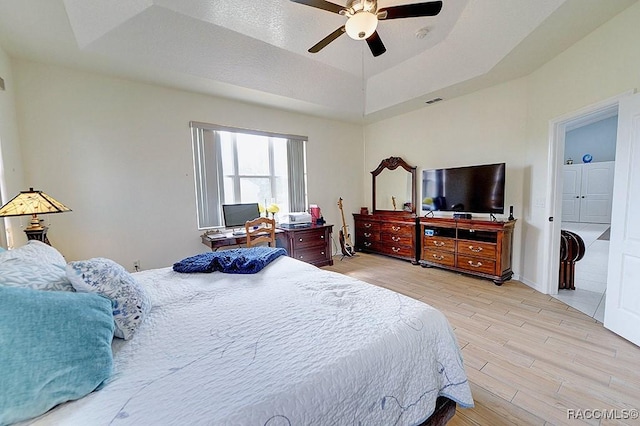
<point>54,347</point>
<point>104,276</point>
<point>34,265</point>
<point>34,275</point>
<point>35,251</point>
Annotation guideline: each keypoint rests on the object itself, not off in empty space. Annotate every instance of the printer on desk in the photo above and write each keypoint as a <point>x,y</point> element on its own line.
<point>296,220</point>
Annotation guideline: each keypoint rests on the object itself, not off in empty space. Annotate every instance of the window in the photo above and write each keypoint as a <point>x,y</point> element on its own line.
<point>243,166</point>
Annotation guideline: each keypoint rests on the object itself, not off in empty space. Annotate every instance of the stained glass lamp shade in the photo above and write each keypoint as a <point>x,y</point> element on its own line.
<point>32,203</point>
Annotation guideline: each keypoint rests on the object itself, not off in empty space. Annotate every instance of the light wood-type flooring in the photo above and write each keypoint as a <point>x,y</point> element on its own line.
<point>530,359</point>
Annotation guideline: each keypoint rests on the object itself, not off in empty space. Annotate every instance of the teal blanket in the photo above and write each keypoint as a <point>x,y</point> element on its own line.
<point>236,261</point>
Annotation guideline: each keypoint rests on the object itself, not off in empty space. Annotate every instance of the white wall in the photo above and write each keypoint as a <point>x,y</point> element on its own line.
<point>11,182</point>
<point>119,154</point>
<point>597,139</point>
<point>509,122</point>
<point>602,65</point>
<point>485,127</point>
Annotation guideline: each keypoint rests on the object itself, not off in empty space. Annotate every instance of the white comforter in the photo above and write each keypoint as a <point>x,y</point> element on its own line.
<point>291,345</point>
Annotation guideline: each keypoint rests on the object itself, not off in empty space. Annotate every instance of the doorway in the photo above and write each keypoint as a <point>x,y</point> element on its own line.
<point>557,130</point>
<point>588,171</point>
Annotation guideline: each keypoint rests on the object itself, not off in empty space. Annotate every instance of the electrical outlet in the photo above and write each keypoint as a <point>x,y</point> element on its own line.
<point>136,265</point>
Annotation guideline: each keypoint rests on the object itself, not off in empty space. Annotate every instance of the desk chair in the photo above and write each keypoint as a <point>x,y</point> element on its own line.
<point>264,233</point>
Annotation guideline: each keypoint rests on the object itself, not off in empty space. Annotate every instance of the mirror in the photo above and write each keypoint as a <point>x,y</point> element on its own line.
<point>394,187</point>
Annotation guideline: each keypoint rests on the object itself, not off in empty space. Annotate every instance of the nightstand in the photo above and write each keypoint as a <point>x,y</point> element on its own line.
<point>311,244</point>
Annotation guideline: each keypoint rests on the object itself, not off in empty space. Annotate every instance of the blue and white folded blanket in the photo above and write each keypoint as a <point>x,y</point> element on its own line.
<point>236,261</point>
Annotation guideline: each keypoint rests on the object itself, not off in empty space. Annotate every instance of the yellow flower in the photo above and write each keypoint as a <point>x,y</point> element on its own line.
<point>273,208</point>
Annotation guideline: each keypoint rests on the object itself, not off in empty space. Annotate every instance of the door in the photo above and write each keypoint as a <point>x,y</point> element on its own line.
<point>571,182</point>
<point>596,192</point>
<point>622,311</point>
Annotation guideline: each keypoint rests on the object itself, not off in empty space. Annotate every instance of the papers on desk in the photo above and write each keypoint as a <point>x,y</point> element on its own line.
<point>222,235</point>
<point>216,236</point>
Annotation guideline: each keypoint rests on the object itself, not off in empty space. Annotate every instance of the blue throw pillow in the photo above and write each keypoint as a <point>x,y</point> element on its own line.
<point>55,346</point>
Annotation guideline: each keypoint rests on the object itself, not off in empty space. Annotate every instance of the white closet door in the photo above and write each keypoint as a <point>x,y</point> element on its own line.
<point>622,312</point>
<point>572,179</point>
<point>596,192</point>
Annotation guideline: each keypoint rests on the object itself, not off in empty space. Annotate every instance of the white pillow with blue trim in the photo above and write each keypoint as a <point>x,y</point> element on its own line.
<point>130,301</point>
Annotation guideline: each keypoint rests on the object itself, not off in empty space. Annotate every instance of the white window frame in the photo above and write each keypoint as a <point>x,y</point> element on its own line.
<point>209,172</point>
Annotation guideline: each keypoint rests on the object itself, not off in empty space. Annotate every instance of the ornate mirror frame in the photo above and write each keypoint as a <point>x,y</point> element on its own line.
<point>393,163</point>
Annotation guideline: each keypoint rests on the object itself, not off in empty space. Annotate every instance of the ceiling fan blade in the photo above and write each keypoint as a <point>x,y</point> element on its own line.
<point>325,41</point>
<point>375,44</point>
<point>321,4</point>
<point>416,10</point>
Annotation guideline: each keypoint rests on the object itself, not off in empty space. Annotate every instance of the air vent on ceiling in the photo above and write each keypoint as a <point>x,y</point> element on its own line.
<point>422,33</point>
<point>433,101</point>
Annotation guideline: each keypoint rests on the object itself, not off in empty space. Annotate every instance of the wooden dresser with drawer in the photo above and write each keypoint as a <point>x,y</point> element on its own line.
<point>310,244</point>
<point>391,235</point>
<point>478,247</point>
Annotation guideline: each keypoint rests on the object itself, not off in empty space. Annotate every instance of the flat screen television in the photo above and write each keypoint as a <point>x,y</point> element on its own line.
<point>472,189</point>
<point>235,215</point>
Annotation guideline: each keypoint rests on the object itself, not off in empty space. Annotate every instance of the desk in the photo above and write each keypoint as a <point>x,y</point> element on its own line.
<point>311,244</point>
<point>226,239</point>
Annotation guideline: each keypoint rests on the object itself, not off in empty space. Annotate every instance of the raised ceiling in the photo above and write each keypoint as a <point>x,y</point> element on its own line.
<point>256,50</point>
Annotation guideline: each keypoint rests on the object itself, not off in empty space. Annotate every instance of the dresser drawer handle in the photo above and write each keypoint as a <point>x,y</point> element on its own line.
<point>396,228</point>
<point>395,249</point>
<point>475,265</point>
<point>322,253</point>
<point>367,234</point>
<point>367,225</point>
<point>367,244</point>
<point>396,239</point>
<point>322,237</point>
<point>300,257</point>
<point>475,249</point>
<point>300,239</point>
<point>438,243</point>
<point>437,256</point>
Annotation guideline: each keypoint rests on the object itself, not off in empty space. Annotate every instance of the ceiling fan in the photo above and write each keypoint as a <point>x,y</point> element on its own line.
<point>362,19</point>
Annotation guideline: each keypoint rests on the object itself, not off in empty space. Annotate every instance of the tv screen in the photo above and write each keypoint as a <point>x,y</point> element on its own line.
<point>473,189</point>
<point>235,215</point>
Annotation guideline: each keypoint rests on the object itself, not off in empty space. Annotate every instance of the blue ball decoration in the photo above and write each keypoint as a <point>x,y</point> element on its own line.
<point>587,158</point>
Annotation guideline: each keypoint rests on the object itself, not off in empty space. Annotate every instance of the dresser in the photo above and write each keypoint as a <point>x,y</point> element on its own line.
<point>478,247</point>
<point>310,244</point>
<point>391,235</point>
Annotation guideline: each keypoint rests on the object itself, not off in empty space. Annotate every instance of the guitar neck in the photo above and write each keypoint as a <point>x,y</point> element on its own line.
<point>344,222</point>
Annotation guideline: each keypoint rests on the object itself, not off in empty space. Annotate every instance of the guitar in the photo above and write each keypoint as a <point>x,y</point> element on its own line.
<point>345,239</point>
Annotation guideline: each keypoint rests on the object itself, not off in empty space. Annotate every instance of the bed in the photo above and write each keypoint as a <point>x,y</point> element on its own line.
<point>289,345</point>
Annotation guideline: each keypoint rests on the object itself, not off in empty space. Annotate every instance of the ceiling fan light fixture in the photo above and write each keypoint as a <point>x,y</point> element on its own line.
<point>361,25</point>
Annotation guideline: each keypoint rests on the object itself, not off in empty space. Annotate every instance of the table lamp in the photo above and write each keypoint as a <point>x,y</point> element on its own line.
<point>33,203</point>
